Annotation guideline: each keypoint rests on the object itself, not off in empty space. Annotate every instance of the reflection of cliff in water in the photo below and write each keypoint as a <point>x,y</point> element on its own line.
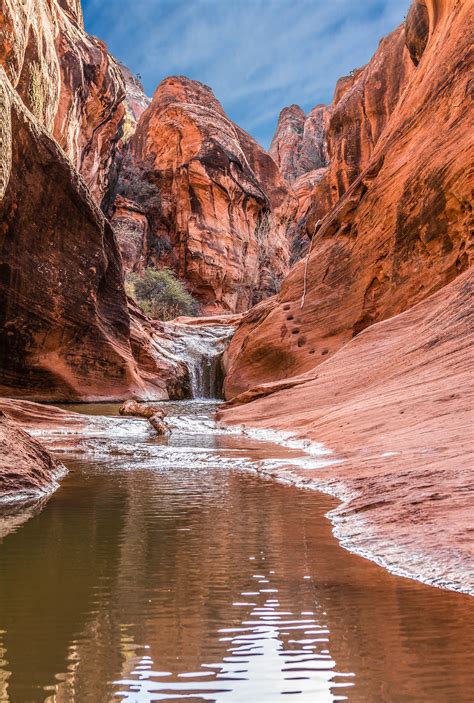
<point>168,568</point>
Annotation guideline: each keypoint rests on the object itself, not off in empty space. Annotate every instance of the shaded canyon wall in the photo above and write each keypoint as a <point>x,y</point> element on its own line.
<point>400,231</point>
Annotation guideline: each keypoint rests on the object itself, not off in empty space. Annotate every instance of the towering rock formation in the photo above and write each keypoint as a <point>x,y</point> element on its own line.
<point>198,194</point>
<point>321,154</point>
<point>299,144</point>
<point>65,329</point>
<point>400,161</point>
<point>67,79</point>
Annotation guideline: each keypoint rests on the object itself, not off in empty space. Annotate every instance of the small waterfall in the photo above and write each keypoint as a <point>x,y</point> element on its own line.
<point>201,349</point>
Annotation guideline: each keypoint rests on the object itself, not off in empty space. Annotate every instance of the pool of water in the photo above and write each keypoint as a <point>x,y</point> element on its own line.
<point>169,570</point>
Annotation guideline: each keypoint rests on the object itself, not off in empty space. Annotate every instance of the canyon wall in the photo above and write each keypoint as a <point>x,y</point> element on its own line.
<point>400,231</point>
<point>65,328</point>
<point>196,193</point>
<point>67,79</point>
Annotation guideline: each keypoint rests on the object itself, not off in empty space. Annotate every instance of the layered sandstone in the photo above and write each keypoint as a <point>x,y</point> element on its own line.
<point>67,79</point>
<point>65,326</point>
<point>202,197</point>
<point>400,230</point>
<point>396,407</point>
<point>91,104</point>
<point>299,144</point>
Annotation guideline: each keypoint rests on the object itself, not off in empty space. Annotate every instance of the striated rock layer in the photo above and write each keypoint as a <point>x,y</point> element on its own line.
<point>396,407</point>
<point>67,79</point>
<point>65,328</point>
<point>198,194</point>
<point>401,229</point>
<point>323,153</point>
<point>299,144</point>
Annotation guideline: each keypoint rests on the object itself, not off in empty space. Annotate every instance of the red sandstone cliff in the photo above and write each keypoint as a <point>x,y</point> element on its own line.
<point>65,329</point>
<point>400,230</point>
<point>67,79</point>
<point>198,194</point>
<point>299,144</point>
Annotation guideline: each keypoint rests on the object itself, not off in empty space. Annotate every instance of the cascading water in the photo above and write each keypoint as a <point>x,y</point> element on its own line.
<point>201,349</point>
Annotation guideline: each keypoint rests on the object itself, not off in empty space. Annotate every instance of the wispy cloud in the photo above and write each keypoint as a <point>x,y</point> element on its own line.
<point>257,55</point>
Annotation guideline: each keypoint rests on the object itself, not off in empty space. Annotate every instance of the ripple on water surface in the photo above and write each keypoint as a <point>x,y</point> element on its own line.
<point>160,571</point>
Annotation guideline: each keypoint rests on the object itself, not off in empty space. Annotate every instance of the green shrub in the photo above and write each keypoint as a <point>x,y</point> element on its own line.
<point>160,294</point>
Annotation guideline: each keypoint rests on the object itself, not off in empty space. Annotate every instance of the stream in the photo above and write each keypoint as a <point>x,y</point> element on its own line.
<point>171,570</point>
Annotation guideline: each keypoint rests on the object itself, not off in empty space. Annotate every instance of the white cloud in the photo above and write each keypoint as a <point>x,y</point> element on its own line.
<point>257,55</point>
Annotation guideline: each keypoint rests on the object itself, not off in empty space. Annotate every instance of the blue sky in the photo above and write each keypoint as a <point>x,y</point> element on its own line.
<point>257,55</point>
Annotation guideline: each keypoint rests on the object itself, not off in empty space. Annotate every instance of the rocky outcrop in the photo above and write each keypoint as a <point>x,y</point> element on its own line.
<point>299,144</point>
<point>65,327</point>
<point>211,197</point>
<point>400,231</point>
<point>395,406</point>
<point>27,470</point>
<point>67,79</point>
<point>91,104</point>
<point>164,373</point>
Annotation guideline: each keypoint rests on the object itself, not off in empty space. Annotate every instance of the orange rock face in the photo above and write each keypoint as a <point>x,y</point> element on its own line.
<point>65,328</point>
<point>396,407</point>
<point>68,81</point>
<point>299,144</point>
<point>216,215</point>
<point>400,230</point>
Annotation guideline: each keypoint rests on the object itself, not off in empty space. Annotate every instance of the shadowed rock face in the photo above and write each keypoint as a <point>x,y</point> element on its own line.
<point>217,217</point>
<point>417,28</point>
<point>65,328</point>
<point>401,229</point>
<point>64,320</point>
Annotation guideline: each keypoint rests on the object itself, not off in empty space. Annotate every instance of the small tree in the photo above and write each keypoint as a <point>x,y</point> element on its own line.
<point>161,294</point>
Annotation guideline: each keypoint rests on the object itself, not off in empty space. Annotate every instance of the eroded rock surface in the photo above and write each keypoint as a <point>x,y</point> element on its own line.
<point>299,144</point>
<point>68,80</point>
<point>27,470</point>
<point>198,194</point>
<point>401,229</point>
<point>396,407</point>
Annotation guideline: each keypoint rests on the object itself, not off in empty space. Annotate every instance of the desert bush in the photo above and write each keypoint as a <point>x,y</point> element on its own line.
<point>160,294</point>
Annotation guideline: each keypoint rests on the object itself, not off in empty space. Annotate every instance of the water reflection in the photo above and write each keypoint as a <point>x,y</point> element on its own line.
<point>159,572</point>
